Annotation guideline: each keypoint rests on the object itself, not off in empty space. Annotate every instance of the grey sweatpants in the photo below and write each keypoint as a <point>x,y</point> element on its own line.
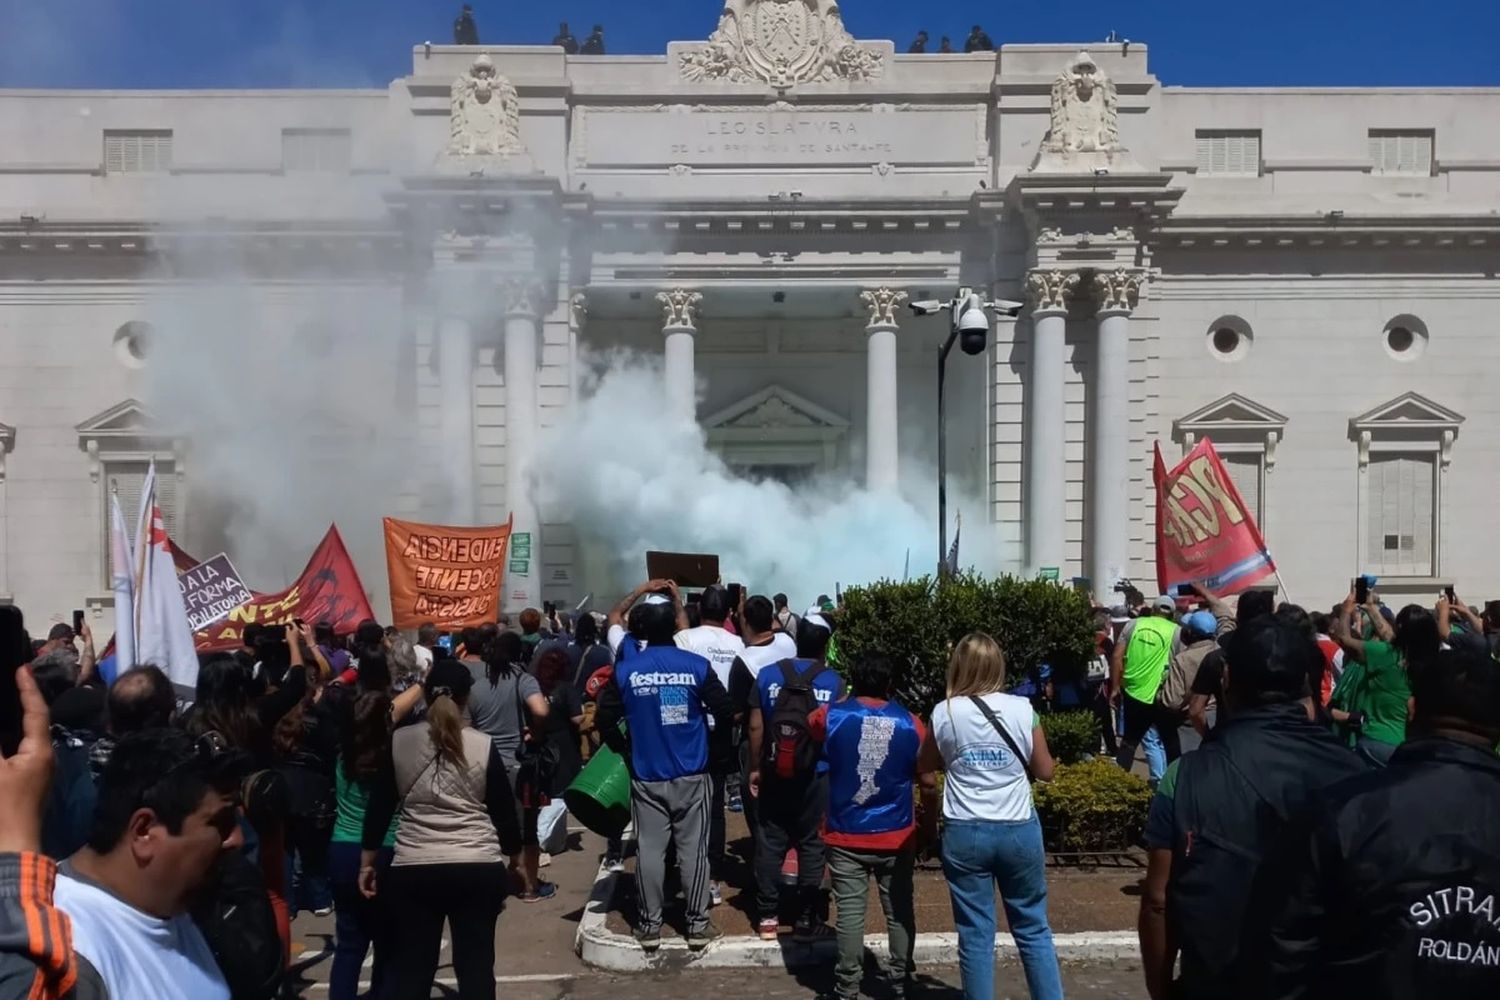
<point>666,812</point>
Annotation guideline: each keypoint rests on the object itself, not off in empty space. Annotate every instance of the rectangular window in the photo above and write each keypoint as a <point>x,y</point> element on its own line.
<point>1400,519</point>
<point>1229,152</point>
<point>137,151</point>
<point>1401,151</point>
<point>325,149</point>
<point>126,479</point>
<point>1245,470</point>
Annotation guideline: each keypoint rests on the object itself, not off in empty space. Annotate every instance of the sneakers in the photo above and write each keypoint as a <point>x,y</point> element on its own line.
<point>543,890</point>
<point>649,941</point>
<point>808,929</point>
<point>715,894</point>
<point>736,803</point>
<point>768,928</point>
<point>614,863</point>
<point>703,937</point>
<point>322,911</point>
<point>543,860</point>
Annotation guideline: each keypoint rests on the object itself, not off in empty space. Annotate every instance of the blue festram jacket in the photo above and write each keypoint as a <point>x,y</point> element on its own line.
<point>665,696</point>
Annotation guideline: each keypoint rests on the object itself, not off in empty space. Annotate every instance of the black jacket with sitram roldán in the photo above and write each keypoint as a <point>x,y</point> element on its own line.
<point>1396,892</point>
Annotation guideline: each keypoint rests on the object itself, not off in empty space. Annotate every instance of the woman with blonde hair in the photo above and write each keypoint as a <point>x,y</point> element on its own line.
<point>457,824</point>
<point>991,746</point>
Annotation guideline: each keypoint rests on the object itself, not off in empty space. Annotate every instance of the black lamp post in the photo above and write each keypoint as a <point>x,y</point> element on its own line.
<point>971,328</point>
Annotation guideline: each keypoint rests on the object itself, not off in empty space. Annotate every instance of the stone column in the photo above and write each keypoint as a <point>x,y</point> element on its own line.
<point>882,464</point>
<point>455,344</point>
<point>679,327</point>
<point>521,298</point>
<point>1046,457</point>
<point>1116,293</point>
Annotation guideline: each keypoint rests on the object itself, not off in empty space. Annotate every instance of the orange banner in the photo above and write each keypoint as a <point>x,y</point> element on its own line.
<point>444,575</point>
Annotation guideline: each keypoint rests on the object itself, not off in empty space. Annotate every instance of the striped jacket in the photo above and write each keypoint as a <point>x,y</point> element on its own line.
<point>37,961</point>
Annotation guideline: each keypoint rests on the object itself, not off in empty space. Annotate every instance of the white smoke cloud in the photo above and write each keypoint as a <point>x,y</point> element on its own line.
<point>634,479</point>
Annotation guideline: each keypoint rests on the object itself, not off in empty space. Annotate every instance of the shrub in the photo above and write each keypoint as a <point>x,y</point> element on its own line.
<point>1092,807</point>
<point>1071,736</point>
<point>918,622</point>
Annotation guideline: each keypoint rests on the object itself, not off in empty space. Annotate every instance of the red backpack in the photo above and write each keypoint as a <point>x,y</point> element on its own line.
<point>790,750</point>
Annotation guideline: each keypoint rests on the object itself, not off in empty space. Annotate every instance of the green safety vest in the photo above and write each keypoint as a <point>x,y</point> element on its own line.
<point>1147,657</point>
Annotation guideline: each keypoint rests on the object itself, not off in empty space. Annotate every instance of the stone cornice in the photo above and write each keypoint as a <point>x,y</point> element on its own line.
<point>1328,231</point>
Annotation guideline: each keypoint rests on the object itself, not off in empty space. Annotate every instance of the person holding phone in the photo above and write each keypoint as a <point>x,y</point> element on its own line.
<point>1372,698</point>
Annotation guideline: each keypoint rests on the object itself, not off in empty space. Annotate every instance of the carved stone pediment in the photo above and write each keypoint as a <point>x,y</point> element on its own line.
<point>1410,422</point>
<point>775,408</point>
<point>782,43</point>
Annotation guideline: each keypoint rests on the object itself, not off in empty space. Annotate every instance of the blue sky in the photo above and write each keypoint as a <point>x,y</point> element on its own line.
<point>363,43</point>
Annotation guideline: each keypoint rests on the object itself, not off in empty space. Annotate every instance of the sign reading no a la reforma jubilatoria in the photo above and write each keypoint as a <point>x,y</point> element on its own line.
<point>210,590</point>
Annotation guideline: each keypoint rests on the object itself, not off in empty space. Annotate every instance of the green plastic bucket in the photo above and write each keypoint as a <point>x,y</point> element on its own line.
<point>600,796</point>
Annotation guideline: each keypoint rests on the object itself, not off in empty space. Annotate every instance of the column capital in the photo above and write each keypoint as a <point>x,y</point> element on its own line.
<point>882,303</point>
<point>679,307</point>
<point>1116,291</point>
<point>1049,290</point>
<point>521,295</point>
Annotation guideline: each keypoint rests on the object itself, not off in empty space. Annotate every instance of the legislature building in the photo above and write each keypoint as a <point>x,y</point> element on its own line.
<point>1305,276</point>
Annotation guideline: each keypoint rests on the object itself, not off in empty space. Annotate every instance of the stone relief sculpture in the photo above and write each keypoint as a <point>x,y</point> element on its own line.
<point>484,114</point>
<point>1084,133</point>
<point>783,43</point>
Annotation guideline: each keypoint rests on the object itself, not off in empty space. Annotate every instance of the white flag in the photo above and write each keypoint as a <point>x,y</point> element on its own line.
<point>162,633</point>
<point>122,582</point>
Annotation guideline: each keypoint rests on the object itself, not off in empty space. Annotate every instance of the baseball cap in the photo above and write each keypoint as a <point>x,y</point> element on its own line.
<point>1119,614</point>
<point>1202,622</point>
<point>1164,603</point>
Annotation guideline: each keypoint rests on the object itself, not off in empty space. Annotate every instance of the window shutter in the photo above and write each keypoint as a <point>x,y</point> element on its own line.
<point>1244,470</point>
<point>315,149</point>
<point>1395,151</point>
<point>1400,520</point>
<point>126,480</point>
<point>130,152</point>
<point>1229,153</point>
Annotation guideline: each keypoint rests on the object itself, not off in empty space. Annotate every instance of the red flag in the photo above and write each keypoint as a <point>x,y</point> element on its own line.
<point>329,589</point>
<point>1204,532</point>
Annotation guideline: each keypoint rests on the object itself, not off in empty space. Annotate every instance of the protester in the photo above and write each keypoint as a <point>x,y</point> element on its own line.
<point>331,647</point>
<point>458,823</point>
<point>559,728</point>
<point>789,779</point>
<point>1206,707</point>
<point>1199,640</point>
<point>589,651</point>
<point>1142,653</point>
<point>166,815</point>
<point>1392,893</point>
<point>873,748</point>
<point>991,834</point>
<point>665,696</point>
<point>786,621</point>
<point>714,643</point>
<point>1333,657</point>
<point>37,959</point>
<point>1370,700</point>
<point>141,698</point>
<point>530,621</point>
<point>765,644</point>
<point>1221,812</point>
<point>945,47</point>
<point>504,704</point>
<point>306,743</point>
<point>427,642</point>
<point>359,923</point>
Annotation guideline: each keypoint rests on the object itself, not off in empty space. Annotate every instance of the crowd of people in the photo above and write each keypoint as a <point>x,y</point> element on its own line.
<point>466,32</point>
<point>1327,794</point>
<point>978,41</point>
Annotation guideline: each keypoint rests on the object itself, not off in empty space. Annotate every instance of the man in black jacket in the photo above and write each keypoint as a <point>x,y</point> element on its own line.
<point>1221,814</point>
<point>1396,891</point>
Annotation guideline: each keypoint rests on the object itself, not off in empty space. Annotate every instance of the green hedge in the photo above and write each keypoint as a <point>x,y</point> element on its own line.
<point>1092,807</point>
<point>1071,736</point>
<point>918,622</point>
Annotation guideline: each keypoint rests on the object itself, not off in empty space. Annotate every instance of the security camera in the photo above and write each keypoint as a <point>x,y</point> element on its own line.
<point>972,323</point>
<point>973,320</point>
<point>1005,307</point>
<point>927,307</point>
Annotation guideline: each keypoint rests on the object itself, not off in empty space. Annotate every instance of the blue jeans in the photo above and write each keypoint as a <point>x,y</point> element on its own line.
<point>357,923</point>
<point>1156,755</point>
<point>977,856</point>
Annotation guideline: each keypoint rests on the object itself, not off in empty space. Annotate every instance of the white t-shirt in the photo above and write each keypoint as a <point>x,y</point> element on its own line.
<point>985,781</point>
<point>779,648</point>
<point>136,954</point>
<point>424,659</point>
<point>715,645</point>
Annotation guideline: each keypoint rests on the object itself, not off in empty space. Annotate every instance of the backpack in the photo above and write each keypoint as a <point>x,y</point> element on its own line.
<point>790,750</point>
<point>238,923</point>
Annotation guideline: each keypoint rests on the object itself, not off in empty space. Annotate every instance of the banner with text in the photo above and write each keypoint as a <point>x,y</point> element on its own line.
<point>446,575</point>
<point>210,590</point>
<point>329,590</point>
<point>1204,532</point>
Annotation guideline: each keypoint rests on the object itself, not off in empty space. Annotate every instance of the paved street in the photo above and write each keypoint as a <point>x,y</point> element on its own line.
<point>535,960</point>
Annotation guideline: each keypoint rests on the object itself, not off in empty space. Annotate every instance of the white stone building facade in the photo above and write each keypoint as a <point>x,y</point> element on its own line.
<point>1306,276</point>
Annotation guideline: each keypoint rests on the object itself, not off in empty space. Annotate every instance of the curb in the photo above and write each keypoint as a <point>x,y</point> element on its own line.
<point>598,946</point>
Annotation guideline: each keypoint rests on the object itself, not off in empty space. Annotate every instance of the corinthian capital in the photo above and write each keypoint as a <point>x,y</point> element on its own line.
<point>882,303</point>
<point>1117,290</point>
<point>679,308</point>
<point>521,296</point>
<point>1050,289</point>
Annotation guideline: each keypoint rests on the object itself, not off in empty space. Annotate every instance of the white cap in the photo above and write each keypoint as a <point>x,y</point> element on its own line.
<point>656,599</point>
<point>814,616</point>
